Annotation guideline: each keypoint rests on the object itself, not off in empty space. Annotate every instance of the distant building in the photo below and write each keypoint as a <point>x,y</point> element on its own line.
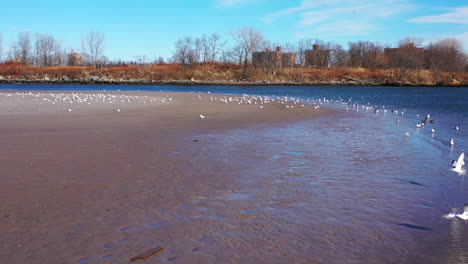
<point>407,56</point>
<point>317,57</point>
<point>273,60</point>
<point>74,58</point>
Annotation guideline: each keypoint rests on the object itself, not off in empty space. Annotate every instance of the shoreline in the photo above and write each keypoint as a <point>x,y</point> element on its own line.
<point>353,82</point>
<point>96,184</point>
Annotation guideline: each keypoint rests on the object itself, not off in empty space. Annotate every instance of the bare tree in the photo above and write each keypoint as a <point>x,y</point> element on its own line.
<point>185,51</point>
<point>301,47</point>
<point>248,40</point>
<point>446,55</point>
<point>366,54</point>
<point>60,56</point>
<point>214,45</point>
<point>408,55</point>
<point>93,46</point>
<point>197,50</point>
<point>46,48</point>
<point>21,50</point>
<point>339,56</point>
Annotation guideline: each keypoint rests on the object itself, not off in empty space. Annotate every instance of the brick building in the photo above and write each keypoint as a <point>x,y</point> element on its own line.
<point>273,60</point>
<point>407,56</point>
<point>317,57</point>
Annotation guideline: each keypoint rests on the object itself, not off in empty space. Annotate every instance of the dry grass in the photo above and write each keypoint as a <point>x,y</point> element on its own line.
<point>228,72</point>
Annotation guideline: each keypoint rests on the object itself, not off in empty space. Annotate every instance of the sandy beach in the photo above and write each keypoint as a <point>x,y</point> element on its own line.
<point>104,179</point>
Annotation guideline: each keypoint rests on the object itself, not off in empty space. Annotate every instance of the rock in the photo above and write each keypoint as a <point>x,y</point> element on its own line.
<point>95,78</point>
<point>1,78</point>
<point>46,79</point>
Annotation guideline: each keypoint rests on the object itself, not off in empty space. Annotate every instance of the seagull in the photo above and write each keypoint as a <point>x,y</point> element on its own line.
<point>457,128</point>
<point>452,142</point>
<point>459,165</point>
<point>202,116</point>
<point>464,216</point>
<point>419,125</point>
<point>452,214</point>
<point>408,134</point>
<point>433,131</point>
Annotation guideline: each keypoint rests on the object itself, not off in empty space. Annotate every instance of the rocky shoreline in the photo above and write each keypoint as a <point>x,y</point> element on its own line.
<point>106,81</point>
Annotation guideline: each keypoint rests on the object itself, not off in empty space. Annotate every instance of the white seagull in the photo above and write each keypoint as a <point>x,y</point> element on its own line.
<point>433,131</point>
<point>202,116</point>
<point>459,165</point>
<point>452,142</point>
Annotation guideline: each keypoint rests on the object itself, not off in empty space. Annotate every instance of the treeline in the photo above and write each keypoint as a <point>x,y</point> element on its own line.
<point>442,55</point>
<point>43,50</point>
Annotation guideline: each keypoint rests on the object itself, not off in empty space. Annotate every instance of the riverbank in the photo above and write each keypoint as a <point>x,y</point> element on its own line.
<point>348,82</point>
<point>227,74</point>
<point>91,177</point>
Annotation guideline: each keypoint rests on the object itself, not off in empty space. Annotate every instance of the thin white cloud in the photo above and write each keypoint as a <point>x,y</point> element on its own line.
<point>457,16</point>
<point>340,17</point>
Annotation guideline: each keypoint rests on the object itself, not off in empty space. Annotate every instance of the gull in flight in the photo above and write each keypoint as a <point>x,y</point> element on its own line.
<point>459,165</point>
<point>202,116</point>
<point>454,214</point>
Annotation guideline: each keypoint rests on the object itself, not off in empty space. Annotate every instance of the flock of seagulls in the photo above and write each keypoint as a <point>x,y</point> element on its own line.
<point>457,165</point>
<point>76,100</point>
<point>288,101</point>
<point>291,102</point>
<point>72,99</point>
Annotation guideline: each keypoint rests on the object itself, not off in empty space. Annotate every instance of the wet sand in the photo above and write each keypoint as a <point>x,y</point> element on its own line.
<point>104,182</point>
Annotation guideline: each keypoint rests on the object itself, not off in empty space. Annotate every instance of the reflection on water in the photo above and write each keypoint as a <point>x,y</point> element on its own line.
<point>457,247</point>
<point>341,189</point>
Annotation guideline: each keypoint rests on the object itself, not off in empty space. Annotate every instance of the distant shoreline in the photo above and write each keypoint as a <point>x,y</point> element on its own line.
<point>229,83</point>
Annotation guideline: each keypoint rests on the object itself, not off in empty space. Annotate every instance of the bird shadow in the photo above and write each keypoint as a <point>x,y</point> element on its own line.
<point>410,182</point>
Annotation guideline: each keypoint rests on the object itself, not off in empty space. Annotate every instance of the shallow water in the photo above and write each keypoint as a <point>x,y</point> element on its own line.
<point>348,188</point>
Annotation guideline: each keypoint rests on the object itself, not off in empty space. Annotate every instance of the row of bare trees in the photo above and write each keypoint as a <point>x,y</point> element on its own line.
<point>190,50</point>
<point>43,50</point>
<point>443,55</point>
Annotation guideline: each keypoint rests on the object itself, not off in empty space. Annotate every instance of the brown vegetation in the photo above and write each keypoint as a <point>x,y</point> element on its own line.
<point>227,72</point>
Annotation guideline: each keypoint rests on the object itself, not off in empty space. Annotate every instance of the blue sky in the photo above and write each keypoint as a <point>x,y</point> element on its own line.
<point>150,27</point>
